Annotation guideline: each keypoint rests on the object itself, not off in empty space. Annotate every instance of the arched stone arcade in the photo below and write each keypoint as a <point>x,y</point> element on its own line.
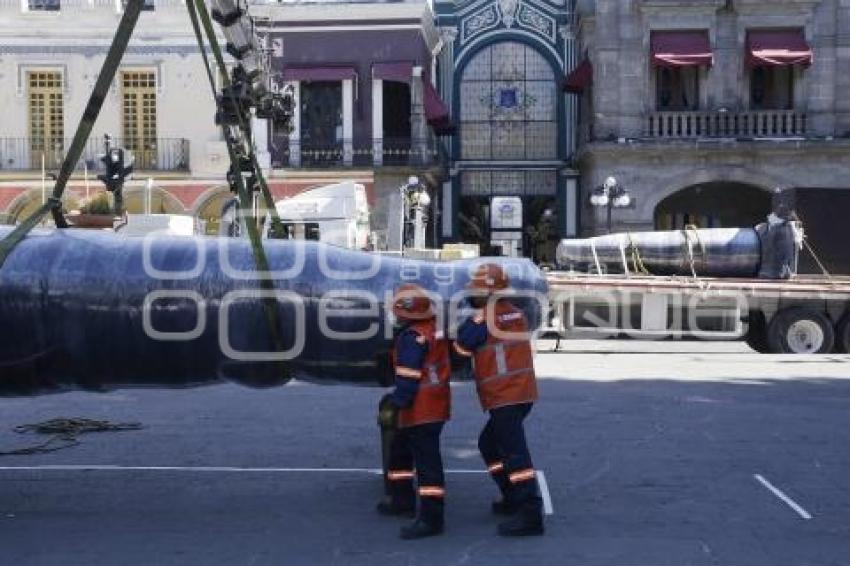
<point>716,204</point>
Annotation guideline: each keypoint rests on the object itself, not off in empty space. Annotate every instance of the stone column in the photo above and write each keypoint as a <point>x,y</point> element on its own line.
<point>378,122</point>
<point>842,81</point>
<point>347,121</point>
<point>395,212</point>
<point>570,221</point>
<point>447,216</point>
<point>448,35</point>
<point>418,124</point>
<point>295,135</point>
<point>821,77</point>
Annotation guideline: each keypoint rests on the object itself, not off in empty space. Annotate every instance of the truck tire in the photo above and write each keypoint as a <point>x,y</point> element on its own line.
<point>799,330</point>
<point>757,332</point>
<point>842,335</point>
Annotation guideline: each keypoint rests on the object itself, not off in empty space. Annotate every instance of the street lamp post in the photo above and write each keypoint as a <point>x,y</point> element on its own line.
<point>414,201</point>
<point>610,195</point>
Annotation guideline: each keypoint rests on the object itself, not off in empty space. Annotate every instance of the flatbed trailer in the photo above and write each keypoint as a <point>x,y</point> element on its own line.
<point>806,314</point>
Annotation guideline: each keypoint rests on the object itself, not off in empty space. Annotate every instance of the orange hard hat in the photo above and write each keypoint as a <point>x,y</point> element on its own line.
<point>411,302</point>
<point>489,277</point>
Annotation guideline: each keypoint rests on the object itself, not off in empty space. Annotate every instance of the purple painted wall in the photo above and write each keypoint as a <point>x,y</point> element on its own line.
<point>358,49</point>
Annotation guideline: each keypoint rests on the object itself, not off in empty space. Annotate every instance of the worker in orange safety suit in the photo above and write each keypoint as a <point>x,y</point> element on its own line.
<point>421,400</point>
<point>497,339</point>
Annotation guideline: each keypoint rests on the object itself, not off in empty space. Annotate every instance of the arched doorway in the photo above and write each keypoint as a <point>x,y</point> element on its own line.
<point>25,206</point>
<point>509,108</point>
<point>210,211</point>
<point>27,203</point>
<point>717,204</point>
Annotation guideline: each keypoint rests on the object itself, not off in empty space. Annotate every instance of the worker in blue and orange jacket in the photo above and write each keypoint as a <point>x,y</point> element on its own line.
<point>497,338</point>
<point>422,400</point>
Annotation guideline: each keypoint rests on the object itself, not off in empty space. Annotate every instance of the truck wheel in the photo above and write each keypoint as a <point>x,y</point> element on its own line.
<point>799,330</point>
<point>842,336</point>
<point>757,332</point>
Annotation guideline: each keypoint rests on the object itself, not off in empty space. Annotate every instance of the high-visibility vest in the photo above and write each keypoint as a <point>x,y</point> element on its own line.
<point>504,365</point>
<point>432,403</point>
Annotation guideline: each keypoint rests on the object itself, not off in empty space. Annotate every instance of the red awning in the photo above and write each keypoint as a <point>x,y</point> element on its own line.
<point>580,78</point>
<point>319,73</point>
<point>398,72</point>
<point>681,48</point>
<point>772,47</point>
<point>436,111</point>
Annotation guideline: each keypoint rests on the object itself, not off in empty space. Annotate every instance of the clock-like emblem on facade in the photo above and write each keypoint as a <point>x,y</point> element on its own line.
<point>508,102</point>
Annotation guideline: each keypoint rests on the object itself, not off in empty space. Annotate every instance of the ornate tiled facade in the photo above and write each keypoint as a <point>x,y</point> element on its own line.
<point>501,66</point>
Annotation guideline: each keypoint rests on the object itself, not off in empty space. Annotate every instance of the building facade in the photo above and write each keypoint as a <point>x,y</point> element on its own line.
<point>159,107</point>
<point>511,187</point>
<point>702,108</point>
<point>363,74</point>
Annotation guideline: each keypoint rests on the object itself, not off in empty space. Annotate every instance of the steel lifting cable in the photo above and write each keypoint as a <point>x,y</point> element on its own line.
<point>199,16</point>
<point>53,203</point>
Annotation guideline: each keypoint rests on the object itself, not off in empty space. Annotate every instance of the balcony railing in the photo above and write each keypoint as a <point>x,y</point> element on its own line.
<point>393,152</point>
<point>754,124</point>
<point>27,154</point>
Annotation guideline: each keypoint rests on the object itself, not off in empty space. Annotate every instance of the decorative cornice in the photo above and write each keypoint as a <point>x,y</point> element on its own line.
<point>508,14</point>
<point>535,20</point>
<point>479,22</point>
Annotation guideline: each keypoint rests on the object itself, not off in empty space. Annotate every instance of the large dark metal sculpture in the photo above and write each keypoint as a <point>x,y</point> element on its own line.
<point>729,252</point>
<point>92,310</point>
<point>769,251</point>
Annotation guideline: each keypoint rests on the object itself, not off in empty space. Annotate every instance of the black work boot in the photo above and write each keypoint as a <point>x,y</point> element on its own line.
<point>400,503</point>
<point>429,523</point>
<point>504,506</point>
<point>528,521</point>
<point>393,507</point>
<point>507,504</point>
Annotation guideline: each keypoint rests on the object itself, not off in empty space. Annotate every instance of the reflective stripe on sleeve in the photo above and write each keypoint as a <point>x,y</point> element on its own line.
<point>398,475</point>
<point>408,372</point>
<point>522,475</point>
<point>462,351</point>
<point>431,491</point>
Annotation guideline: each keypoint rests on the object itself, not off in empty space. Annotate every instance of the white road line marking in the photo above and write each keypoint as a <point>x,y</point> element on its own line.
<point>778,493</point>
<point>116,468</point>
<point>544,492</point>
<point>541,477</point>
<point>225,469</point>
